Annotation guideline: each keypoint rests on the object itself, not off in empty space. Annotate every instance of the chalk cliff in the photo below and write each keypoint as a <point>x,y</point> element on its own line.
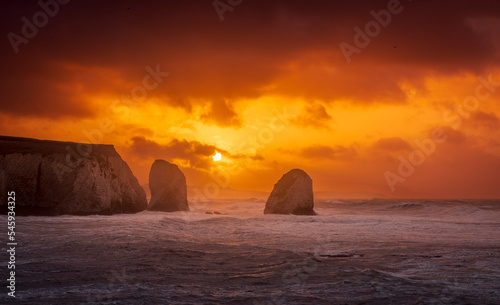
<point>52,177</point>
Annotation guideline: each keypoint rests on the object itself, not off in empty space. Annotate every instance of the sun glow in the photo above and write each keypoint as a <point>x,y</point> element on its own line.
<point>217,156</point>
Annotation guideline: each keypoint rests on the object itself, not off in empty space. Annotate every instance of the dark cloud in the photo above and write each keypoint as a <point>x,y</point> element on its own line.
<point>314,115</point>
<point>28,91</point>
<point>481,119</point>
<point>454,136</point>
<point>222,114</point>
<point>197,154</point>
<point>280,47</point>
<point>328,152</point>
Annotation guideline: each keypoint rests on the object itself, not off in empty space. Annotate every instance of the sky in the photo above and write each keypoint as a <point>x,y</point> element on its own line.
<point>371,98</point>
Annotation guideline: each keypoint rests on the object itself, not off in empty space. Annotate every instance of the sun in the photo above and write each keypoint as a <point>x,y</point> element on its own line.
<point>217,156</point>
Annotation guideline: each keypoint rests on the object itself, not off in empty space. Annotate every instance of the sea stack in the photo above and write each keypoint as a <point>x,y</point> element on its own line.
<point>168,188</point>
<point>52,178</point>
<point>292,194</point>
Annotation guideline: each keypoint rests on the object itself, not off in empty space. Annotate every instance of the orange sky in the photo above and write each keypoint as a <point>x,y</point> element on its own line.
<point>270,89</point>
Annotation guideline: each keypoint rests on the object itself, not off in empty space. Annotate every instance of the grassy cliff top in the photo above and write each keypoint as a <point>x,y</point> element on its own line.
<point>11,145</point>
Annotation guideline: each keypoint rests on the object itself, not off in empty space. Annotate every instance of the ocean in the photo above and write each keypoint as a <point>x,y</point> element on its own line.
<point>373,251</point>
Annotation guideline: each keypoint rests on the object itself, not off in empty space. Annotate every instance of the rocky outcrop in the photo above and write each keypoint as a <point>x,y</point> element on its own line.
<point>51,178</point>
<point>168,188</point>
<point>292,194</point>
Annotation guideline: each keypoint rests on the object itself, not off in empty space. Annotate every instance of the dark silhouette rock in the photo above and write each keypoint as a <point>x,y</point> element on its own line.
<point>292,194</point>
<point>168,188</point>
<point>52,177</point>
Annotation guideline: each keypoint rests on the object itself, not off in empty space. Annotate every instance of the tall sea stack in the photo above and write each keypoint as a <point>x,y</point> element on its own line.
<point>292,194</point>
<point>168,188</point>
